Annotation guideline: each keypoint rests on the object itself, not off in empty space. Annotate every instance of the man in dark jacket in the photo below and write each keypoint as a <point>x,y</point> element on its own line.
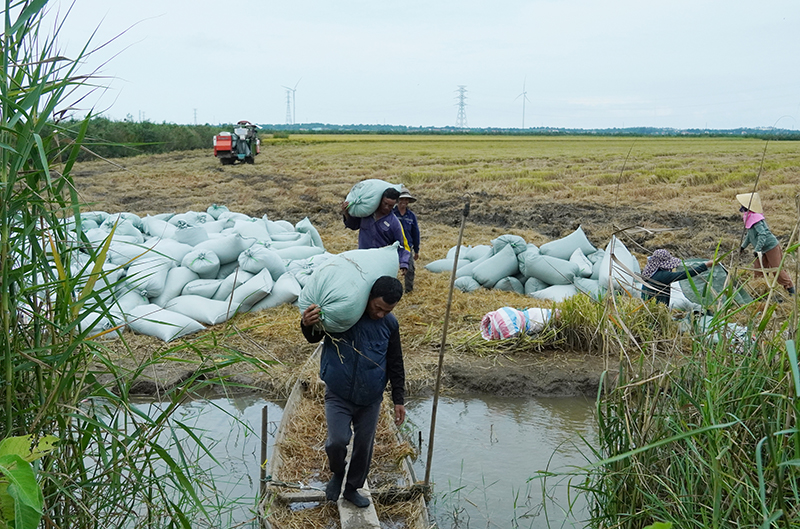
<point>355,366</point>
<point>381,228</point>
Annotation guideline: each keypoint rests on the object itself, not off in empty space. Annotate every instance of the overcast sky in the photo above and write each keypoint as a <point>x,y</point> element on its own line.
<point>582,63</point>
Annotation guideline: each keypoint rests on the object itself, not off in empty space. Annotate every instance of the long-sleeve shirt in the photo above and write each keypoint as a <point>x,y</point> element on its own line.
<point>378,233</point>
<point>658,285</point>
<point>357,363</point>
<point>410,227</point>
<point>760,237</point>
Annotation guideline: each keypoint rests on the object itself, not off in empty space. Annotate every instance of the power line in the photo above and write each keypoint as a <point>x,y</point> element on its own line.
<point>461,119</point>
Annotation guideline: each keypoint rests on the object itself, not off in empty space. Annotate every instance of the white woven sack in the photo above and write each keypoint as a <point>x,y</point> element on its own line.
<point>232,216</point>
<point>477,252</point>
<point>285,290</point>
<point>584,264</point>
<point>287,236</point>
<point>590,287</point>
<point>215,210</point>
<point>169,248</point>
<point>227,269</point>
<point>95,323</point>
<point>613,276</point>
<point>341,286</point>
<point>466,284</point>
<point>252,291</point>
<point>229,283</point>
<point>515,241</point>
<point>98,217</point>
<point>299,252</point>
<point>152,320</point>
<point>252,228</point>
<point>227,247</point>
<point>122,228</point>
<point>305,226</point>
<point>128,297</point>
<point>679,301</point>
<point>522,258</point>
<point>510,284</point>
<point>156,227</point>
<point>258,257</point>
<point>205,288</point>
<point>217,226</point>
<point>208,311</point>
<point>467,269</point>
<point>444,265</point>
<point>150,274</point>
<point>365,197</point>
<point>177,278</point>
<point>563,248</point>
<point>191,235</point>
<point>276,227</point>
<point>304,239</point>
<point>462,254</point>
<point>192,218</point>
<point>551,270</point>
<point>496,267</point>
<point>555,293</point>
<point>534,284</point>
<point>203,262</point>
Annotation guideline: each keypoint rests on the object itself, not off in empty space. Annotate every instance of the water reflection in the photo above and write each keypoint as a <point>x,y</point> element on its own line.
<point>486,449</point>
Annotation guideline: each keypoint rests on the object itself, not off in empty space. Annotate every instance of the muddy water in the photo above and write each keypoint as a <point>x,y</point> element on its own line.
<point>486,449</point>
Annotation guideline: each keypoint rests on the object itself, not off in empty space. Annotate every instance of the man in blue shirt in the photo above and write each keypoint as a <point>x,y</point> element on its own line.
<point>381,228</point>
<point>411,231</point>
<point>355,366</point>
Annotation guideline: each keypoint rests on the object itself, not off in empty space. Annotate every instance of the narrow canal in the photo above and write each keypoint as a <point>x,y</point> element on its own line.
<point>488,456</point>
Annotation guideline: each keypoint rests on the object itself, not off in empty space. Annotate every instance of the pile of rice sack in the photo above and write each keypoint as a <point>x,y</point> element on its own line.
<point>170,275</point>
<point>555,271</point>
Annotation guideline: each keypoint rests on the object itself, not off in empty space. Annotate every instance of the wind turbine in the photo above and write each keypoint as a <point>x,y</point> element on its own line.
<point>524,96</point>
<point>294,106</point>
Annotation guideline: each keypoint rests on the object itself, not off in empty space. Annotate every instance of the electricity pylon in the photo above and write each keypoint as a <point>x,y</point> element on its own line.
<point>461,119</point>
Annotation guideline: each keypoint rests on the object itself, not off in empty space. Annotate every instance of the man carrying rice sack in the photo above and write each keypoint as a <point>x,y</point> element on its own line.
<point>356,365</point>
<point>408,220</point>
<point>381,228</point>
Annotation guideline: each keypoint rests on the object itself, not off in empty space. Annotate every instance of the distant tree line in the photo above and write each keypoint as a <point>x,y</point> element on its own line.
<point>117,139</point>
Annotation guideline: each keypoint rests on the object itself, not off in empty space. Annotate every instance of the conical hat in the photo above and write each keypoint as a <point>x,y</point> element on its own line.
<point>751,201</point>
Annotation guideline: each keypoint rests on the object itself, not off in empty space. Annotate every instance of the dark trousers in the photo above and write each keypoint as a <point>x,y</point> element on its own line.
<point>409,279</point>
<point>340,414</point>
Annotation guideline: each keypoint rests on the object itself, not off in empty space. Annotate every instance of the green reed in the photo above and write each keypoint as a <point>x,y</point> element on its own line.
<point>709,440</point>
<point>114,465</point>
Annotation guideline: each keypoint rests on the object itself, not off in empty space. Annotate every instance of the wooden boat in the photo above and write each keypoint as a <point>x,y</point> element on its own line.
<point>293,493</point>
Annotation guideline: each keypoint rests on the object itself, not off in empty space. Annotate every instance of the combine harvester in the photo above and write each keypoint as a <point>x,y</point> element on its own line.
<point>242,146</point>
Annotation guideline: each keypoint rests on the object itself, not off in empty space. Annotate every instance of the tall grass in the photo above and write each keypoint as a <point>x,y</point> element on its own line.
<point>114,466</point>
<point>711,440</point>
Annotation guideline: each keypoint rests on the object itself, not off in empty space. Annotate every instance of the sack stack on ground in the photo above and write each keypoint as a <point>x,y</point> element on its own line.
<point>554,271</point>
<point>171,275</point>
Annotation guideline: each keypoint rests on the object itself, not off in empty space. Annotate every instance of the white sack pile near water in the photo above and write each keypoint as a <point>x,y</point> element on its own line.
<point>555,271</point>
<point>171,275</point>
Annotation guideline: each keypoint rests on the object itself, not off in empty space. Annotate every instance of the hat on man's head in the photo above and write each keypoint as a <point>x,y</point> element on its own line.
<point>751,201</point>
<point>405,193</point>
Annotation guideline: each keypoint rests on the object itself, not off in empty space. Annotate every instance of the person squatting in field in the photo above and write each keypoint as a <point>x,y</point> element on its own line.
<point>381,228</point>
<point>767,251</point>
<point>355,366</point>
<point>408,220</point>
<point>660,272</point>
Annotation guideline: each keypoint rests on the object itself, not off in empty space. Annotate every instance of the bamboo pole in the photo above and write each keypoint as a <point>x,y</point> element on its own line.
<point>464,216</point>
